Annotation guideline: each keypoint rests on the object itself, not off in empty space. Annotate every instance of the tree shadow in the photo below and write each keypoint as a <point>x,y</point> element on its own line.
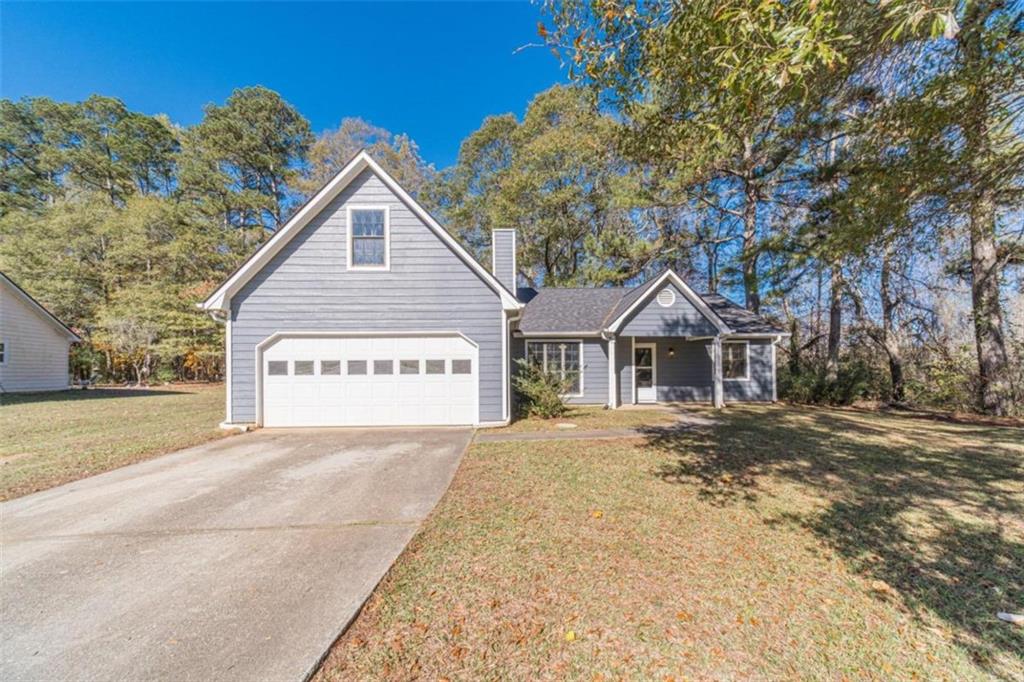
<point>935,510</point>
<point>78,395</point>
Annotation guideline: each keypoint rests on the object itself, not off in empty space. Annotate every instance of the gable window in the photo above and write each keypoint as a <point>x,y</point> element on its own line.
<point>736,360</point>
<point>368,238</point>
<point>561,358</point>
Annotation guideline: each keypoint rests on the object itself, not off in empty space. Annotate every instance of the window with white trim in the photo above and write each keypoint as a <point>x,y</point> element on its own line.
<point>735,360</point>
<point>368,238</point>
<point>561,358</point>
<point>3,353</point>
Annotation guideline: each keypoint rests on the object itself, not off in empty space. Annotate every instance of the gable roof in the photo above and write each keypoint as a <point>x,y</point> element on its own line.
<point>582,311</point>
<point>221,298</point>
<point>623,311</point>
<point>739,319</point>
<point>39,309</point>
<point>591,311</point>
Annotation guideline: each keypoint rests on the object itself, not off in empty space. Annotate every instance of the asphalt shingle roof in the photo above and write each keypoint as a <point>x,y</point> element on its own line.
<point>591,310</point>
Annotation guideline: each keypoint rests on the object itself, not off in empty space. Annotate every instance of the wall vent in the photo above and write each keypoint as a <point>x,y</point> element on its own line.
<point>666,297</point>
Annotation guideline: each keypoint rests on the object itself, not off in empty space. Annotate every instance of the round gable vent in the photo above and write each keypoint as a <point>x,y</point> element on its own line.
<point>666,297</point>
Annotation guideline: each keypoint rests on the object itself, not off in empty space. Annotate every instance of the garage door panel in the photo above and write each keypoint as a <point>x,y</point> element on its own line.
<point>338,393</point>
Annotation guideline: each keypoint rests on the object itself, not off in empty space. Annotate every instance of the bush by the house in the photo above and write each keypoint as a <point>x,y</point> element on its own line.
<point>539,393</point>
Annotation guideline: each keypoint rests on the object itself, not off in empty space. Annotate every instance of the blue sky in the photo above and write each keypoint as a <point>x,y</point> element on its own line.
<point>432,70</point>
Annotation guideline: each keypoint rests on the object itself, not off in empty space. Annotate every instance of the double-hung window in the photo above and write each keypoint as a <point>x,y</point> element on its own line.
<point>560,358</point>
<point>735,360</point>
<point>368,241</point>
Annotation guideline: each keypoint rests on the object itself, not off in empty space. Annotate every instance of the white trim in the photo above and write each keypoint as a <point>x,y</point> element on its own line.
<point>690,295</point>
<point>717,391</point>
<point>227,367</point>
<point>613,376</point>
<point>775,390</point>
<point>258,353</point>
<point>560,335</point>
<point>582,366</point>
<point>504,366</point>
<point>746,350</point>
<point>653,345</point>
<point>39,309</point>
<point>218,299</point>
<point>775,336</point>
<point>632,364</point>
<point>387,237</point>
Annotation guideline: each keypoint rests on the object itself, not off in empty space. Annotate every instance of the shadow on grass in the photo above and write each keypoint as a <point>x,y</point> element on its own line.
<point>79,395</point>
<point>935,510</point>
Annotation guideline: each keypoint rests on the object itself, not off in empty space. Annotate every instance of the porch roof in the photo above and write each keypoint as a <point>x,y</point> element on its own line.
<point>590,310</point>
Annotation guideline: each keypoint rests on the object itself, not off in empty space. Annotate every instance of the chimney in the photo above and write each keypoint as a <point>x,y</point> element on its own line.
<point>503,258</point>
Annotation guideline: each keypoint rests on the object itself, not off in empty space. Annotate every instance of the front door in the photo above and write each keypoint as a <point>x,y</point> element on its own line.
<point>645,372</point>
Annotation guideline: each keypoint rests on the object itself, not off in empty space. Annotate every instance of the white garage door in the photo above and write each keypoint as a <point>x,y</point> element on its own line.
<point>370,381</point>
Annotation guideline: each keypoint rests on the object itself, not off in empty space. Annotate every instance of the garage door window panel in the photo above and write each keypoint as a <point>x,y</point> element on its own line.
<point>435,366</point>
<point>304,368</point>
<point>462,366</point>
<point>330,367</point>
<point>409,366</point>
<point>277,368</point>
<point>383,366</point>
<point>357,367</point>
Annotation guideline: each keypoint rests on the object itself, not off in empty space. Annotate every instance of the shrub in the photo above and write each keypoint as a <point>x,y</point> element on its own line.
<point>539,394</point>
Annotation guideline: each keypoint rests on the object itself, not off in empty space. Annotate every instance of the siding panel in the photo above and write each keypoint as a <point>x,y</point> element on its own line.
<point>679,319</point>
<point>504,258</point>
<point>307,287</point>
<point>36,353</point>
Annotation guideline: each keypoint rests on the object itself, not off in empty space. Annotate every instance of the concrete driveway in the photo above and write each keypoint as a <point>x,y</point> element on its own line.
<point>241,559</point>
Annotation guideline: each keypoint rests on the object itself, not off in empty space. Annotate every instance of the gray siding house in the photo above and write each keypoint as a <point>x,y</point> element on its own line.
<point>363,311</point>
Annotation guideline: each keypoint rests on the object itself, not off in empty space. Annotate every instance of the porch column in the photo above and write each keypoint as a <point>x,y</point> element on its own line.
<point>716,372</point>
<point>613,375</point>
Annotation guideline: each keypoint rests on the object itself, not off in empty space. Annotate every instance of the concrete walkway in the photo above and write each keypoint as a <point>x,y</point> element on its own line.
<point>241,559</point>
<point>685,421</point>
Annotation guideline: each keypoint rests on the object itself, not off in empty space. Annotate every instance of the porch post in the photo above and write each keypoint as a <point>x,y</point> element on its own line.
<point>716,371</point>
<point>613,375</point>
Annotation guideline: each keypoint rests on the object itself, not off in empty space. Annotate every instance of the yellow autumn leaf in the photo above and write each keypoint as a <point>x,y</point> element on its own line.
<point>597,513</point>
<point>570,636</point>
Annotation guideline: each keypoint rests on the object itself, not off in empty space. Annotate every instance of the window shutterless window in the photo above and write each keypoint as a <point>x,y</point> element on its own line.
<point>368,236</point>
<point>3,353</point>
<point>277,368</point>
<point>735,360</point>
<point>561,358</point>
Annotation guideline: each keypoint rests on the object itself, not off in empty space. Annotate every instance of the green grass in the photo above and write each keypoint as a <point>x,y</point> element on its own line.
<point>587,417</point>
<point>783,543</point>
<point>47,439</point>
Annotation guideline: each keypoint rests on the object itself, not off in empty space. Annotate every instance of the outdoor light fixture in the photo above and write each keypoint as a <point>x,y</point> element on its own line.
<point>671,352</point>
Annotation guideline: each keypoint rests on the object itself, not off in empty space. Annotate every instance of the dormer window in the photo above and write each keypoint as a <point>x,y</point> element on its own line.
<point>368,238</point>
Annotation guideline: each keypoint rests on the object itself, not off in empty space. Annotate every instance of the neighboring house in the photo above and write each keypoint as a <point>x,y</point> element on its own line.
<point>34,344</point>
<point>363,311</point>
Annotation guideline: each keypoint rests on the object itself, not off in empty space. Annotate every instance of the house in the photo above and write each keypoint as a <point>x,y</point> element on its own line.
<point>363,311</point>
<point>34,344</point>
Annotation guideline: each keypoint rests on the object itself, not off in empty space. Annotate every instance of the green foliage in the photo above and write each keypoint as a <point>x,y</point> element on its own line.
<point>539,393</point>
<point>558,179</point>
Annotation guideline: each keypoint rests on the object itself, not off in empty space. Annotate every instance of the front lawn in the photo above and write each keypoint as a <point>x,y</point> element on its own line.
<point>51,438</point>
<point>782,543</point>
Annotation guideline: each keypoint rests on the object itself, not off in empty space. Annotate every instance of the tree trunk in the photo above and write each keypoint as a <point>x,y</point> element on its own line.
<point>993,363</point>
<point>996,396</point>
<point>890,342</point>
<point>835,323</point>
<point>748,255</point>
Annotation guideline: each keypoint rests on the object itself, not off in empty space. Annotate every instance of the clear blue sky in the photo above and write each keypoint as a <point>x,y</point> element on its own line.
<point>432,70</point>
